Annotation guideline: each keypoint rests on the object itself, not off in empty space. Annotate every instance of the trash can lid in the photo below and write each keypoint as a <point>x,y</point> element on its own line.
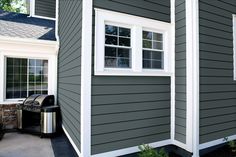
<point>54,108</point>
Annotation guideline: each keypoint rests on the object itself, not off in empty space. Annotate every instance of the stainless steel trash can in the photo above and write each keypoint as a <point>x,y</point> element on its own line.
<point>49,120</point>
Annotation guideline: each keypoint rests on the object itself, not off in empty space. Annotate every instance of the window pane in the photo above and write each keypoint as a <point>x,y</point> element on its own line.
<point>147,35</point>
<point>147,54</point>
<point>157,45</point>
<point>124,63</point>
<point>110,62</point>
<point>112,30</point>
<point>146,64</point>
<point>111,40</point>
<point>157,55</point>
<point>124,53</point>
<point>156,65</point>
<point>152,60</point>
<point>124,41</point>
<point>110,51</point>
<point>124,32</point>
<point>157,37</point>
<point>147,44</point>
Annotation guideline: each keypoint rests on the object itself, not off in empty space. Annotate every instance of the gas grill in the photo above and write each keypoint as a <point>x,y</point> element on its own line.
<point>37,115</point>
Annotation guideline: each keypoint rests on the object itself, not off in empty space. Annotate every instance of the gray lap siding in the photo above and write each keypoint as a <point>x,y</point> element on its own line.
<point>69,66</point>
<point>129,111</point>
<point>217,88</point>
<point>180,71</point>
<point>45,8</point>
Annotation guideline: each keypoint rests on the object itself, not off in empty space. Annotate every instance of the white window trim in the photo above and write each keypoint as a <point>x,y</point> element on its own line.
<point>28,48</point>
<point>234,43</point>
<point>137,25</point>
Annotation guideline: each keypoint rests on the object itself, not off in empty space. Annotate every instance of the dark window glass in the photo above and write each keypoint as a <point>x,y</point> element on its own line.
<point>153,50</point>
<point>26,77</point>
<point>117,47</point>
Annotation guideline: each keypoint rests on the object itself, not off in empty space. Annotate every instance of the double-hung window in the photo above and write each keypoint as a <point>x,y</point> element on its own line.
<point>131,46</point>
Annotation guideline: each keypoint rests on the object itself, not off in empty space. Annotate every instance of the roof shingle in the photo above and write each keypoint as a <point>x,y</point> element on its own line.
<point>23,26</point>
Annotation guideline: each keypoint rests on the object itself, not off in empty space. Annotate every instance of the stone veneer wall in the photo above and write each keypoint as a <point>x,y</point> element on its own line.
<point>8,116</point>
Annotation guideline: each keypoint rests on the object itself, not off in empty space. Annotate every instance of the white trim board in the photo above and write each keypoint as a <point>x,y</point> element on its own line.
<point>173,71</point>
<point>192,55</point>
<point>71,141</point>
<point>86,77</point>
<point>216,142</point>
<point>131,149</point>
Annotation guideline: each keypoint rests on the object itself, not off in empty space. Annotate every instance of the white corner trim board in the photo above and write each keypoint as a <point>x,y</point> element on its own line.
<point>131,149</point>
<point>192,52</point>
<point>173,71</point>
<point>86,76</point>
<point>71,141</point>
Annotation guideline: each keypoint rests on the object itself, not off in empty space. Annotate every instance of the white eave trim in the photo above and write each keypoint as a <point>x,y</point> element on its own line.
<point>13,43</point>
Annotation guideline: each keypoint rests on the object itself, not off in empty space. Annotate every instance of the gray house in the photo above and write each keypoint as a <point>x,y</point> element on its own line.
<point>144,71</point>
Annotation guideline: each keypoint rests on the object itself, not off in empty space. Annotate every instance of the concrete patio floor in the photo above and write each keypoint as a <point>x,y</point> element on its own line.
<point>25,145</point>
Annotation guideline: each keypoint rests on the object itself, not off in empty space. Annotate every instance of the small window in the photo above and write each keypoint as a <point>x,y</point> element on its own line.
<point>117,47</point>
<point>25,77</point>
<point>152,50</point>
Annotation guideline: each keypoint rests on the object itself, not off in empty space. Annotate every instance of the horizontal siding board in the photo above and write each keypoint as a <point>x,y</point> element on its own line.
<point>132,89</point>
<point>69,66</point>
<point>205,122</point>
<point>129,98</point>
<point>129,143</point>
<point>45,8</point>
<point>219,135</point>
<point>129,116</point>
<point>129,125</point>
<point>131,107</point>
<point>139,8</point>
<point>123,135</point>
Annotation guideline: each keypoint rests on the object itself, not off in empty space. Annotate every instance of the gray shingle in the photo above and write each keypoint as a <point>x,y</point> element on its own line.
<point>23,26</point>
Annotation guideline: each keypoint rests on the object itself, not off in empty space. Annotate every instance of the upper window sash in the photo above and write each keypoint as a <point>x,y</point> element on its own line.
<point>137,26</point>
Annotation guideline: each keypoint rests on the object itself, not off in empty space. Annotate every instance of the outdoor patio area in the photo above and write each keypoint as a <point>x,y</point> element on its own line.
<point>26,145</point>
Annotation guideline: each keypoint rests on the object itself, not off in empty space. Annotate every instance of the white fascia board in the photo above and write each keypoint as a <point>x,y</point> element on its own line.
<point>86,76</point>
<point>28,45</point>
<point>192,56</point>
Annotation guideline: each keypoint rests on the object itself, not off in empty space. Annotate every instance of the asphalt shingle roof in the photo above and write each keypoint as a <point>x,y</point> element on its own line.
<point>23,26</point>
